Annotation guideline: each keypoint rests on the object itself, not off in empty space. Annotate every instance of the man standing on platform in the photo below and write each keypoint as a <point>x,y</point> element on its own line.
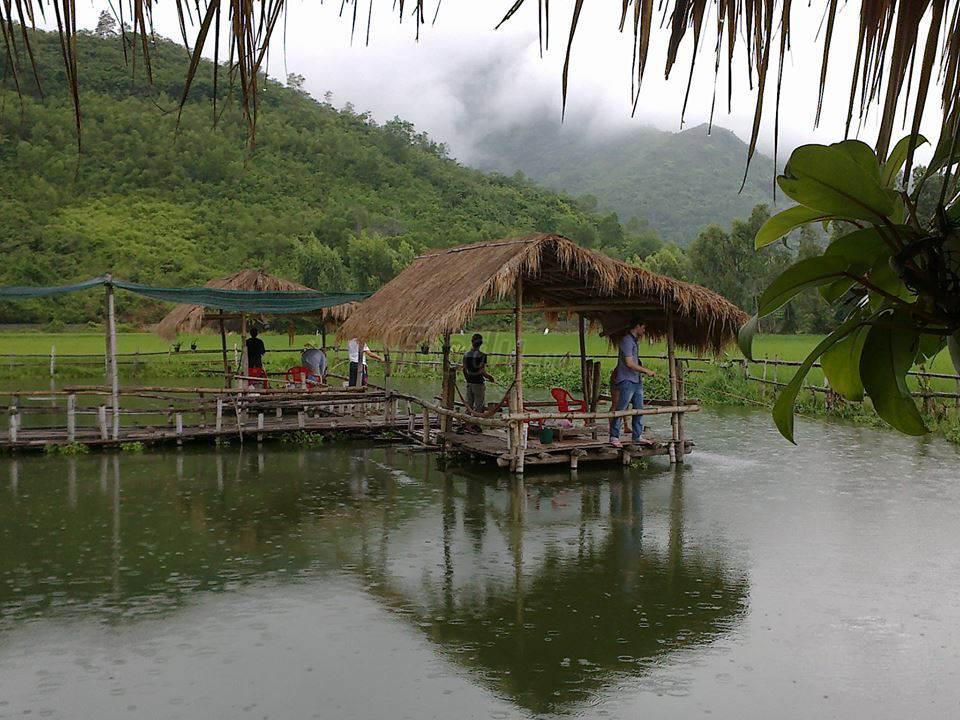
<point>358,362</point>
<point>629,382</point>
<point>475,373</point>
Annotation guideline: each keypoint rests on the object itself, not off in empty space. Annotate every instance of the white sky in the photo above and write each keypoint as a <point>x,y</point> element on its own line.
<point>463,79</point>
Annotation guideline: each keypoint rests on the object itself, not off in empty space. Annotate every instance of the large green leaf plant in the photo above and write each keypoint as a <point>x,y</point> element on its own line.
<point>894,278</point>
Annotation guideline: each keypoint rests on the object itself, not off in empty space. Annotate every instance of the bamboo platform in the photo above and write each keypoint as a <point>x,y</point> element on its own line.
<point>573,449</point>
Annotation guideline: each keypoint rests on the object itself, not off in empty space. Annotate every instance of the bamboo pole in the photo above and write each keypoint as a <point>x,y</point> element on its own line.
<point>583,355</point>
<point>676,453</point>
<point>112,350</point>
<point>244,360</point>
<point>53,360</point>
<point>227,379</point>
<point>447,391</point>
<point>71,418</point>
<point>520,447</point>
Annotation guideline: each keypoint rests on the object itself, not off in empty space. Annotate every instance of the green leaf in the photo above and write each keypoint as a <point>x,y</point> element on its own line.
<point>810,272</point>
<point>863,155</point>
<point>841,365</point>
<point>836,180</point>
<point>953,344</point>
<point>745,337</point>
<point>860,246</point>
<point>783,408</point>
<point>896,159</point>
<point>930,346</point>
<point>784,222</point>
<point>887,356</point>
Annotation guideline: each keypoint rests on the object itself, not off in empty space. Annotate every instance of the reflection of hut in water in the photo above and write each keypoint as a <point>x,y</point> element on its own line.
<point>601,600</point>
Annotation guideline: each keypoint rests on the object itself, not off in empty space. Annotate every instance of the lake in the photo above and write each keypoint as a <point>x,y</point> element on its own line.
<point>355,581</point>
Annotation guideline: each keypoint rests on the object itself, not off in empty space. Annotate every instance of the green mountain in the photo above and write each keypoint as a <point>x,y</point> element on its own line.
<point>327,197</point>
<point>678,182</point>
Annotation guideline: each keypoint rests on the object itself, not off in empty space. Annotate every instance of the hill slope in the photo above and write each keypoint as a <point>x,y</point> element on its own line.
<point>679,182</point>
<point>327,197</point>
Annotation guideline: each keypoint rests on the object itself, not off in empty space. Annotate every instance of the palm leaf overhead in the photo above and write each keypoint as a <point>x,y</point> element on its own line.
<point>903,46</point>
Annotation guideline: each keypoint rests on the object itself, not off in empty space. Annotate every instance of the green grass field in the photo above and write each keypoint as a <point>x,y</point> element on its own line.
<point>782,347</point>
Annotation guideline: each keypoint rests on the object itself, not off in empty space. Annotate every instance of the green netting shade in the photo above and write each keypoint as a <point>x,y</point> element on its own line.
<point>241,301</point>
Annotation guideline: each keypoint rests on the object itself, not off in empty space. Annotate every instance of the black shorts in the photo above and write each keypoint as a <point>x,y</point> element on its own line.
<point>354,367</point>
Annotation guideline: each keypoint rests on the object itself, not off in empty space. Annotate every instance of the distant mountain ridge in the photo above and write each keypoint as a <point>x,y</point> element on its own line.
<point>678,182</point>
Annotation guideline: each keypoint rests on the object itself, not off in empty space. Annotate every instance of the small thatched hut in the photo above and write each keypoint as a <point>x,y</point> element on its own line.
<point>191,319</point>
<point>441,290</point>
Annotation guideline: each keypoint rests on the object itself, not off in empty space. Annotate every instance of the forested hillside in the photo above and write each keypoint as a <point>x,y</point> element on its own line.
<point>326,197</point>
<point>678,182</point>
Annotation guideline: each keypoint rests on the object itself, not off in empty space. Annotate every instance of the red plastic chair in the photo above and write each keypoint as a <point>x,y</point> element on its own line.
<point>565,399</point>
<point>298,373</point>
<point>259,373</point>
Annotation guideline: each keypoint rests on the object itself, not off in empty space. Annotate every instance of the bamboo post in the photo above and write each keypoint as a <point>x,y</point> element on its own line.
<point>675,457</point>
<point>301,419</point>
<point>219,420</point>
<point>71,418</point>
<point>520,446</point>
<point>53,360</point>
<point>323,338</point>
<point>446,390</point>
<point>259,427</point>
<point>389,410</point>
<point>102,422</point>
<point>681,400</point>
<point>227,373</point>
<point>179,428</point>
<point>426,426</point>
<point>583,355</point>
<point>112,352</point>
<point>14,420</point>
<point>595,388</point>
<point>244,360</point>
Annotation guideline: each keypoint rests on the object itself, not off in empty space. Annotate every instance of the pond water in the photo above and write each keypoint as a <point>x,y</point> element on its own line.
<point>349,581</point>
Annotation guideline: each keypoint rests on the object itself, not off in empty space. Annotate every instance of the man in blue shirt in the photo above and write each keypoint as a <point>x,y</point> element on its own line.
<point>629,382</point>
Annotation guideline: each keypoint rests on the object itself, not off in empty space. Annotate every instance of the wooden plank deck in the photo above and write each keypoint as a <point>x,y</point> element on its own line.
<point>249,430</point>
<point>573,449</point>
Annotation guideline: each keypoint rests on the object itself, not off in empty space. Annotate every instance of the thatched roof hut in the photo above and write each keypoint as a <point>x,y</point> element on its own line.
<point>441,290</point>
<point>191,319</point>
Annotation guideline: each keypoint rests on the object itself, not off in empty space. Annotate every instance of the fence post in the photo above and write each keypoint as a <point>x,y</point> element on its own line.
<point>53,360</point>
<point>179,429</point>
<point>219,413</point>
<point>102,422</point>
<point>71,418</point>
<point>14,420</point>
<point>260,427</point>
<point>426,426</point>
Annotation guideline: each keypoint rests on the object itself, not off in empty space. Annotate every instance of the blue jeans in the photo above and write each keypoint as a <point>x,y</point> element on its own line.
<point>631,393</point>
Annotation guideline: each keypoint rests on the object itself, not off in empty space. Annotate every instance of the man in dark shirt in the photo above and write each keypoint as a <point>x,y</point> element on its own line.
<point>475,373</point>
<point>255,350</point>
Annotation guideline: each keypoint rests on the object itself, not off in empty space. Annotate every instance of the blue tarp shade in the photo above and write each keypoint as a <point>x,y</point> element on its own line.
<point>267,303</point>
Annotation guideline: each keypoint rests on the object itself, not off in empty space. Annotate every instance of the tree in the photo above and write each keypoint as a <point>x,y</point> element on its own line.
<point>321,267</point>
<point>670,260</point>
<point>106,25</point>
<point>295,81</point>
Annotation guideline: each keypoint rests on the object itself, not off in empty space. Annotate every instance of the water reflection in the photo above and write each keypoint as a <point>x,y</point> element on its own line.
<point>546,593</point>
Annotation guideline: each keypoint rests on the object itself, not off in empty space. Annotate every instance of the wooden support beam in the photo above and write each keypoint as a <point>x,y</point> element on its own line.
<point>71,418</point>
<point>520,446</point>
<point>583,354</point>
<point>573,308</point>
<point>219,421</point>
<point>179,428</point>
<point>114,378</point>
<point>102,422</point>
<point>426,426</point>
<point>227,371</point>
<point>447,390</point>
<point>676,452</point>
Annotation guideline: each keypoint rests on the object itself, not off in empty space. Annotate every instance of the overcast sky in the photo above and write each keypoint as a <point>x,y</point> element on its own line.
<point>464,79</point>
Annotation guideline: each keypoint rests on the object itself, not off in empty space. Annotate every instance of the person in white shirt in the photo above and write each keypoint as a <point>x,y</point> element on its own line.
<point>358,362</point>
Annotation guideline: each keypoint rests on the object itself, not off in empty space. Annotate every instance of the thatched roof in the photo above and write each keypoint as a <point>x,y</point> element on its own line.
<point>191,319</point>
<point>441,290</point>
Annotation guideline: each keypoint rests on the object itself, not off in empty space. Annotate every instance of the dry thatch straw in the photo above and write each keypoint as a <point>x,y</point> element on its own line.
<point>441,290</point>
<point>903,46</point>
<point>191,319</point>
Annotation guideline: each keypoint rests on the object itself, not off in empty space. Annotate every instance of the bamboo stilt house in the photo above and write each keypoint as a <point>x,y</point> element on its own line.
<point>442,290</point>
